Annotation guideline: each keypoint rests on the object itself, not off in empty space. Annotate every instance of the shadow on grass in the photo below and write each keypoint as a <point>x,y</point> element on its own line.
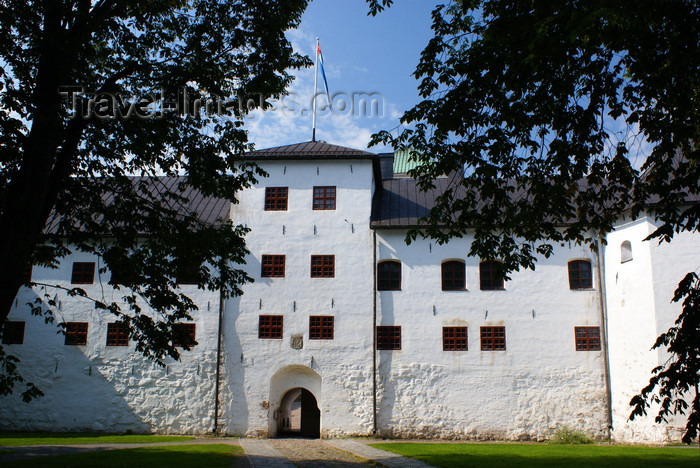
<point>63,438</point>
<point>520,455</point>
<point>41,435</point>
<point>176,456</point>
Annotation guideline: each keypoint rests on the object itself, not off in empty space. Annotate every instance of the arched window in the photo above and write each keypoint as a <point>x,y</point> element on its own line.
<point>453,275</point>
<point>389,275</point>
<point>491,275</point>
<point>580,276</point>
<point>625,252</point>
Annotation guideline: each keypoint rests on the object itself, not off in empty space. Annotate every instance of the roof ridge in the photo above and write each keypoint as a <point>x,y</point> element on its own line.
<point>309,148</point>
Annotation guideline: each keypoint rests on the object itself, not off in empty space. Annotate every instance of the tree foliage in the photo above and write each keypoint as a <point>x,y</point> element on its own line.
<point>95,169</point>
<point>560,114</point>
<point>679,376</point>
<point>554,119</point>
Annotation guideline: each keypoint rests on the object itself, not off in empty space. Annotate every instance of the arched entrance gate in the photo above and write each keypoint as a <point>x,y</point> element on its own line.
<point>294,402</point>
<point>298,414</point>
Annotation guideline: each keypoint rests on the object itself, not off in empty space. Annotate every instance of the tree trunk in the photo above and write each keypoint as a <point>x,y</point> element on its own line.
<point>27,205</point>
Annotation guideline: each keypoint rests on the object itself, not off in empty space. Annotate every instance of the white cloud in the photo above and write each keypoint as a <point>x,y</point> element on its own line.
<point>292,122</point>
<point>284,126</point>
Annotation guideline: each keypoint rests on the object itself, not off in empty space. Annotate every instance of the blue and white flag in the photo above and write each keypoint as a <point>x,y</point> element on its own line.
<point>323,72</point>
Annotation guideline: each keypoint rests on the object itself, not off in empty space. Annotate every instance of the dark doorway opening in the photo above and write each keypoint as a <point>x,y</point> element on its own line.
<point>299,415</point>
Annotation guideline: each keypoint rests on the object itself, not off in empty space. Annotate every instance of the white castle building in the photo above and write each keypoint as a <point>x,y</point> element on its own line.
<point>347,330</point>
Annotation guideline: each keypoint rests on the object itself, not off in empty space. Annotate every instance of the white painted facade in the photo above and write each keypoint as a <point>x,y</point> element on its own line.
<point>538,383</point>
<point>639,293</point>
<point>108,388</point>
<point>338,372</point>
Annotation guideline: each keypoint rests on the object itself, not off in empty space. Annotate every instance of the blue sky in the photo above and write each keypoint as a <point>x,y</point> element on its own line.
<point>362,54</point>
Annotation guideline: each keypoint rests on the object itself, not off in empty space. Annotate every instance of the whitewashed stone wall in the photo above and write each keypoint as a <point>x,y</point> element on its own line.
<point>108,388</point>
<point>343,364</point>
<point>540,382</point>
<point>639,310</point>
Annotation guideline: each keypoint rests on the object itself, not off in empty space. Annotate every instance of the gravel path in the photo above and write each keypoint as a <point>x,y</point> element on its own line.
<point>308,453</point>
<point>33,451</point>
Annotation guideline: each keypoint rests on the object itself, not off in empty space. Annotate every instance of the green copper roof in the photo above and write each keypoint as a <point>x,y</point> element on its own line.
<point>404,161</point>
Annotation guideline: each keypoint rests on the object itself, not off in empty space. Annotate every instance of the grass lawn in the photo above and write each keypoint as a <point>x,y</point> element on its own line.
<point>509,455</point>
<point>174,456</point>
<point>48,438</point>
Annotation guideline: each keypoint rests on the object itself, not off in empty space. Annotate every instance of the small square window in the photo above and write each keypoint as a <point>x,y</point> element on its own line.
<point>580,276</point>
<point>184,333</point>
<point>83,273</point>
<point>587,338</point>
<point>276,199</point>
<point>321,327</point>
<point>322,266</point>
<point>76,333</point>
<point>124,275</point>
<point>454,338</point>
<point>270,327</point>
<point>272,266</point>
<point>324,198</point>
<point>187,274</point>
<point>493,338</point>
<point>389,337</point>
<point>13,332</point>
<point>117,334</point>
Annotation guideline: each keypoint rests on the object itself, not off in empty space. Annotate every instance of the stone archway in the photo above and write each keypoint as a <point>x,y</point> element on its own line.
<point>298,414</point>
<point>295,402</point>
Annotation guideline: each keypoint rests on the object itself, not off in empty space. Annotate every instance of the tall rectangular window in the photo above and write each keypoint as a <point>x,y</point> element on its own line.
<point>453,275</point>
<point>324,198</point>
<point>276,199</point>
<point>493,338</point>
<point>13,332</point>
<point>389,337</point>
<point>321,327</point>
<point>490,275</point>
<point>454,338</point>
<point>322,266</point>
<point>83,273</point>
<point>587,338</point>
<point>580,276</point>
<point>117,334</point>
<point>270,327</point>
<point>272,266</point>
<point>389,275</point>
<point>184,333</point>
<point>76,333</point>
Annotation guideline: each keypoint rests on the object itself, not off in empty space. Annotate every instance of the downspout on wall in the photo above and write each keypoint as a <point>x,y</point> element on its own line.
<point>374,332</point>
<point>604,332</point>
<point>222,303</point>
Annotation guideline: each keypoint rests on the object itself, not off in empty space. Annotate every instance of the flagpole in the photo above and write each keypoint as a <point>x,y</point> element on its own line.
<point>313,124</point>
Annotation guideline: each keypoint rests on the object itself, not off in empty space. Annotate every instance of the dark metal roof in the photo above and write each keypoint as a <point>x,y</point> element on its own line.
<point>310,150</point>
<point>209,210</point>
<point>401,203</point>
<point>314,150</point>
